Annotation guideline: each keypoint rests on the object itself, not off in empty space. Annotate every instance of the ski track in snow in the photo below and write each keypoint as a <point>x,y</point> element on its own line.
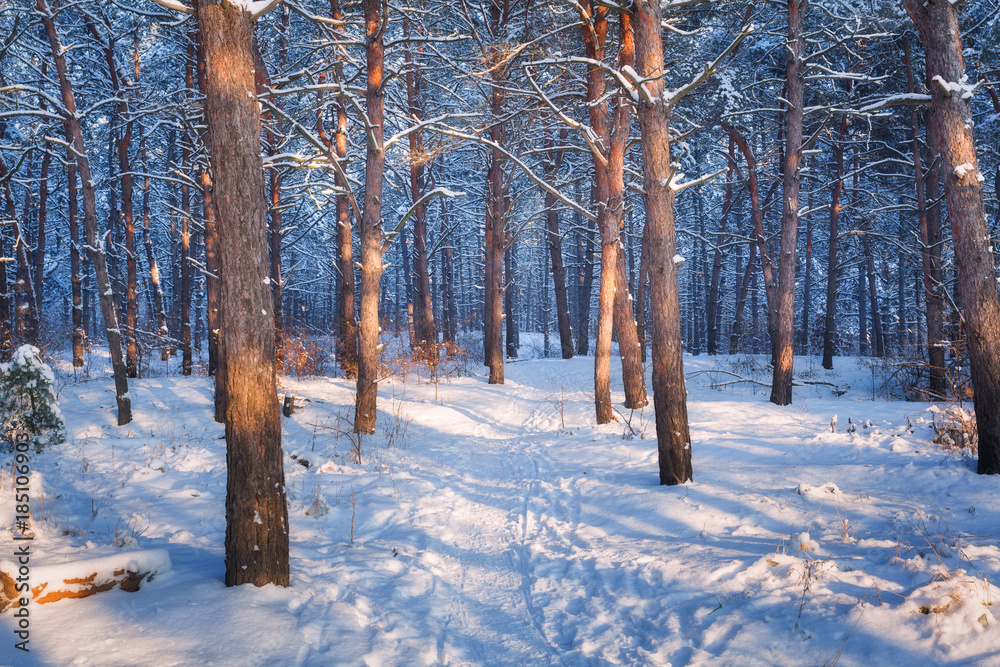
<point>485,533</point>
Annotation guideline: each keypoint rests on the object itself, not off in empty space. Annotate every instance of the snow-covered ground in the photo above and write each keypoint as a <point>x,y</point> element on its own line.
<point>497,525</point>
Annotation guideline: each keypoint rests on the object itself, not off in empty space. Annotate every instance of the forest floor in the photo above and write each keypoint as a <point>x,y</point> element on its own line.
<point>497,525</point>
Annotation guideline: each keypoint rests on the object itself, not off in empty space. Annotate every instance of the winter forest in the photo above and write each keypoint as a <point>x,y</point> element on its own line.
<point>499,332</point>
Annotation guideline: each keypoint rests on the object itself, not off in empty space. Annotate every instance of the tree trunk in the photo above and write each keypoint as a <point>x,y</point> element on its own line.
<point>347,329</point>
<point>877,344</point>
<point>185,245</point>
<point>131,278</point>
<point>741,301</point>
<point>39,255</point>
<point>937,24</point>
<point>585,288</point>
<point>425,331</point>
<point>830,323</point>
<point>511,309</point>
<point>76,281</point>
<point>256,508</point>
<point>669,392</point>
<point>154,272</point>
<point>555,252</point>
<point>930,237</point>
<point>371,223</point>
<point>106,296</point>
<point>640,292</point>
<point>782,308</point>
<point>720,239</point>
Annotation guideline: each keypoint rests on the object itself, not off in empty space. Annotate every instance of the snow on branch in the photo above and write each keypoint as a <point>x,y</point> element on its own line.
<point>674,181</point>
<point>903,99</point>
<point>175,6</point>
<point>677,95</point>
<point>436,192</point>
<point>961,86</point>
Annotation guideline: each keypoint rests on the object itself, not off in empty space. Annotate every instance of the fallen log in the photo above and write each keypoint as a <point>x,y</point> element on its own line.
<point>79,579</point>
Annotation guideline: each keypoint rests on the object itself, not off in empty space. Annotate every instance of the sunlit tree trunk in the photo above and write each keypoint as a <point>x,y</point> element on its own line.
<point>669,393</point>
<point>951,113</point>
<point>832,274</point>
<point>256,507</point>
<point>106,296</point>
<point>371,221</point>
<point>782,307</point>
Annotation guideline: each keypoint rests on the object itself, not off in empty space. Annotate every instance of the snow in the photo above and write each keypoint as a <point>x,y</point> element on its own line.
<point>475,528</point>
<point>153,561</point>
<point>962,86</point>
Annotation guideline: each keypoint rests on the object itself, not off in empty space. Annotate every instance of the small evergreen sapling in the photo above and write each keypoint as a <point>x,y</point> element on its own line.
<point>29,407</point>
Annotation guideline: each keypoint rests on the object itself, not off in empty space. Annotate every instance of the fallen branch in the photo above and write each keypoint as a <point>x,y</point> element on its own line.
<point>80,579</point>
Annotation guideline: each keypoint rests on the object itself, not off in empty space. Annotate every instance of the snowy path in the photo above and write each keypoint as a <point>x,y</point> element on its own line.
<point>476,529</point>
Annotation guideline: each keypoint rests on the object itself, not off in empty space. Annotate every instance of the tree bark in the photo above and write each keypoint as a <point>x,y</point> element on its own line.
<point>832,277</point>
<point>371,222</point>
<point>930,241</point>
<point>782,307</point>
<point>76,281</point>
<point>154,272</point>
<point>106,295</point>
<point>937,24</point>
<point>425,331</point>
<point>712,323</point>
<point>495,211</point>
<point>39,255</point>
<point>669,392</point>
<point>551,167</point>
<point>256,508</point>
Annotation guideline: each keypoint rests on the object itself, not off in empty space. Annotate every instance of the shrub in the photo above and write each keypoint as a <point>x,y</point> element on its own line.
<point>29,408</point>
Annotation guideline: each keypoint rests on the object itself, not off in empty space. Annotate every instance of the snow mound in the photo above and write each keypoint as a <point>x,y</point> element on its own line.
<point>819,492</point>
<point>957,604</point>
<point>802,542</point>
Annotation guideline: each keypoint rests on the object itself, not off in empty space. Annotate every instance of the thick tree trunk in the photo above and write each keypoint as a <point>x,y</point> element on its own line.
<point>371,223</point>
<point>937,24</point>
<point>782,307</point>
<point>106,296</point>
<point>256,508</point>
<point>614,312</point>
<point>669,393</point>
